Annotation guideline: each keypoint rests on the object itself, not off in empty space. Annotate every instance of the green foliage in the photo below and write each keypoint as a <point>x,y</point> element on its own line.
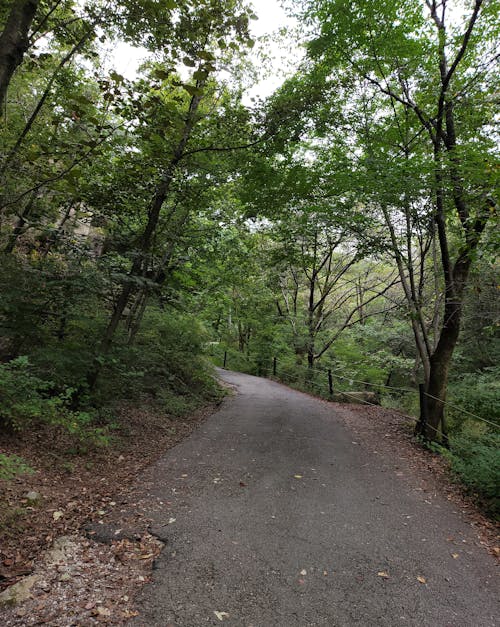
<point>166,362</point>
<point>27,400</point>
<point>24,397</point>
<point>479,394</point>
<point>12,465</point>
<point>476,461</point>
<point>235,359</point>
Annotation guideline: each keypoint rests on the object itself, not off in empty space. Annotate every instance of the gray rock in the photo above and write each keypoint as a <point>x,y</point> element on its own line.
<point>61,549</point>
<point>33,497</point>
<point>19,592</point>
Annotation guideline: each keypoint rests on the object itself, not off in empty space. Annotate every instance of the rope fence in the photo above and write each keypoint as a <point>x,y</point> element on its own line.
<point>327,389</point>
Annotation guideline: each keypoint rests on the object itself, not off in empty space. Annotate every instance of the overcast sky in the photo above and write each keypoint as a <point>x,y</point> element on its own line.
<point>271,16</point>
<point>125,59</point>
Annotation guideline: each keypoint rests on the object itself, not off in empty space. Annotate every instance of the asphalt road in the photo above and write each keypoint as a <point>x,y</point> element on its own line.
<point>274,516</point>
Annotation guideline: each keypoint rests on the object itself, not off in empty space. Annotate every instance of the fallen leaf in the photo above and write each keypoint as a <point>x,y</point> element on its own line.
<point>298,476</point>
<point>146,557</point>
<point>221,615</point>
<point>301,582</point>
<point>455,556</point>
<point>243,484</point>
<point>103,611</point>
<point>57,515</point>
<point>325,573</point>
<point>383,574</point>
<point>171,520</point>
<point>422,579</point>
<point>303,571</point>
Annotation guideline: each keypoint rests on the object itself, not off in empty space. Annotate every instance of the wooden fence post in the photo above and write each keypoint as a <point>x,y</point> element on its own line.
<point>225,359</point>
<point>330,382</point>
<point>274,366</point>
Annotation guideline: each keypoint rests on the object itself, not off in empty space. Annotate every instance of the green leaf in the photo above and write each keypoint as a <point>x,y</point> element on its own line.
<point>117,78</point>
<point>160,74</point>
<point>192,90</point>
<point>207,56</point>
<point>200,75</point>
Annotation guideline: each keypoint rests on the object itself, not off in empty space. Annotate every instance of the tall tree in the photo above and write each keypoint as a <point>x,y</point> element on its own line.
<point>439,69</point>
<point>14,41</point>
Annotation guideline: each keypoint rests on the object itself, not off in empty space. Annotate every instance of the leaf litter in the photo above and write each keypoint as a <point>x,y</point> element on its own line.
<point>93,583</point>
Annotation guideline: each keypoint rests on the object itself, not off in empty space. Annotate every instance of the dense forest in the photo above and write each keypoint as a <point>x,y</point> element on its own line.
<point>339,234</point>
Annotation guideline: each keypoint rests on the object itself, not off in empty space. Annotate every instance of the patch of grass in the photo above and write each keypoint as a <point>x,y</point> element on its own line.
<point>10,520</point>
<point>12,465</point>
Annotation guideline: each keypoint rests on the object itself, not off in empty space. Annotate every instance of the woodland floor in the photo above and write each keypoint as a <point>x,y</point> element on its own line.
<point>91,511</point>
<point>95,580</point>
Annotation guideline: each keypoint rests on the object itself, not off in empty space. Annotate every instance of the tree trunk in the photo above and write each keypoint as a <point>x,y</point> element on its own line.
<point>441,358</point>
<point>137,318</point>
<point>440,365</point>
<point>19,226</point>
<point>14,41</point>
<point>310,356</point>
<point>146,240</point>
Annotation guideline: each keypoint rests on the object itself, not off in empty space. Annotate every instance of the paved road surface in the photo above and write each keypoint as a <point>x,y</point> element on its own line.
<point>281,520</point>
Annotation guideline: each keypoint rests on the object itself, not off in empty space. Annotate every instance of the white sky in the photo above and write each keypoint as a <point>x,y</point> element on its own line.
<point>126,59</point>
<point>271,17</point>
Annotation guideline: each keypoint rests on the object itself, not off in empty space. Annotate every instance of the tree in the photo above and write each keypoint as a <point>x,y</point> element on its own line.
<point>14,41</point>
<point>438,72</point>
<point>203,36</point>
<point>324,287</point>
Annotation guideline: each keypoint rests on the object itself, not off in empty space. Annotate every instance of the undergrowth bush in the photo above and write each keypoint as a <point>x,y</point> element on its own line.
<point>477,393</point>
<point>235,359</point>
<point>476,461</point>
<point>166,363</point>
<point>27,400</point>
<point>12,465</point>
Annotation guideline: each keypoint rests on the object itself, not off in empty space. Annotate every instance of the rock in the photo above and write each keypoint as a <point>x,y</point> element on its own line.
<point>103,611</point>
<point>33,497</point>
<point>19,592</point>
<point>65,577</point>
<point>45,586</point>
<point>61,549</point>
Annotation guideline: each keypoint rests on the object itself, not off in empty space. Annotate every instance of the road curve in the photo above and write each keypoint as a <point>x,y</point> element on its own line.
<point>275,516</point>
